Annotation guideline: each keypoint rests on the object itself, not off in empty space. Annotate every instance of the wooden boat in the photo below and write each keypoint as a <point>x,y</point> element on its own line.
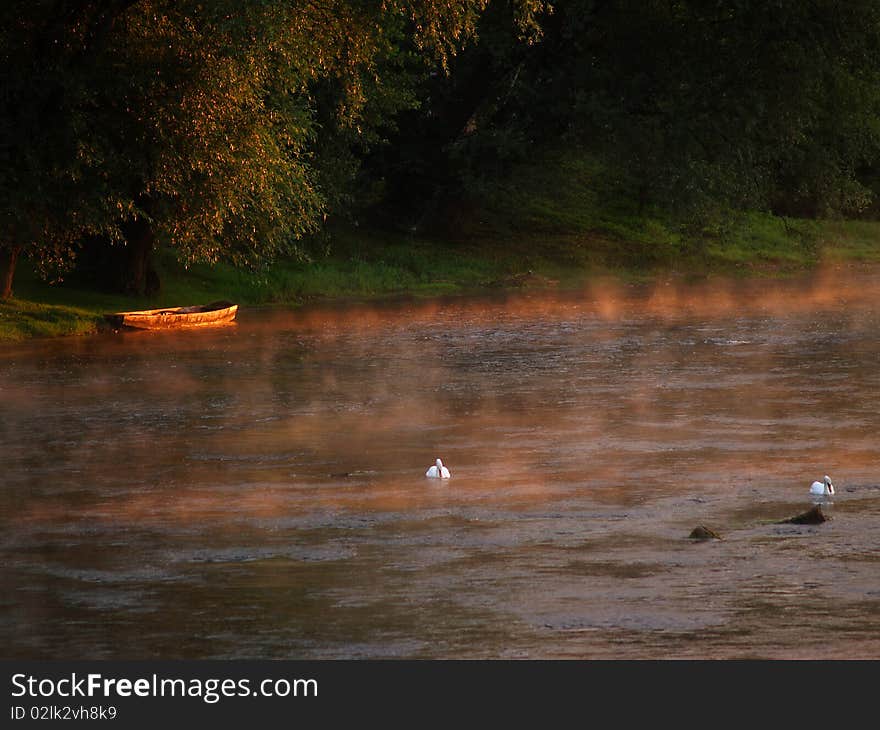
<point>171,317</point>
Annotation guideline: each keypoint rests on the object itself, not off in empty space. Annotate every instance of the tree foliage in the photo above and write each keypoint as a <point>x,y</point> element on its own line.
<point>746,103</point>
<point>230,129</point>
<point>198,124</point>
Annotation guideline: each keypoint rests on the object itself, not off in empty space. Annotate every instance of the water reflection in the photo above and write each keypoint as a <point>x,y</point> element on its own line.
<point>258,490</point>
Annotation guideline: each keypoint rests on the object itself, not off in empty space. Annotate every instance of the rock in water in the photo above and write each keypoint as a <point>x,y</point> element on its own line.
<point>813,516</point>
<point>703,533</point>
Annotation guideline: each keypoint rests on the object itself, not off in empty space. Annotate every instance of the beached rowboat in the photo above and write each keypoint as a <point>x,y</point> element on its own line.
<point>171,317</point>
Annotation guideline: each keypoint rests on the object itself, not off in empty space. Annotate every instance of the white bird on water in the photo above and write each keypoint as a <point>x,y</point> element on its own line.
<point>438,471</point>
<point>824,487</point>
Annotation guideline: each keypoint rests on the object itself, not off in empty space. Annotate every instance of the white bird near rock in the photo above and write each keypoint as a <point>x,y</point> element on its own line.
<point>438,471</point>
<point>824,487</point>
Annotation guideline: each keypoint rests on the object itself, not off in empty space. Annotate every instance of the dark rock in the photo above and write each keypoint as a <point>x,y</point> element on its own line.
<point>813,516</point>
<point>703,533</point>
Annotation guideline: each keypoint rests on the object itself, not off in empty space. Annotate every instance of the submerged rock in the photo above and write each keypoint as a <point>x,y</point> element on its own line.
<point>813,516</point>
<point>703,533</point>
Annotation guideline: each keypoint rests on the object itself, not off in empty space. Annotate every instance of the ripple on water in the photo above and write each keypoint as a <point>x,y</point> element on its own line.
<point>261,493</point>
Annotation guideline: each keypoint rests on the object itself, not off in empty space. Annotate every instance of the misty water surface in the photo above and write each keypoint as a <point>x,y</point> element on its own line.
<point>258,490</point>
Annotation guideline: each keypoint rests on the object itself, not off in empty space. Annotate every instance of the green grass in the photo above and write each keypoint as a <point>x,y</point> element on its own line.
<point>21,319</point>
<point>564,205</point>
<point>361,266</point>
<point>852,240</point>
<point>555,217</point>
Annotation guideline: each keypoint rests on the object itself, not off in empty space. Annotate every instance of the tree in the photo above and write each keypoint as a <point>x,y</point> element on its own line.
<point>196,124</point>
<point>692,105</point>
<point>738,102</point>
<point>42,210</point>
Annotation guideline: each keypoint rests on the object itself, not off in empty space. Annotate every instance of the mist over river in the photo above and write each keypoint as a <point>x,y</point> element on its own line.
<point>258,490</point>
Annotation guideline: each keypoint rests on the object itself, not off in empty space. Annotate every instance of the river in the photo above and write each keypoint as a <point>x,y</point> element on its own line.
<point>258,490</point>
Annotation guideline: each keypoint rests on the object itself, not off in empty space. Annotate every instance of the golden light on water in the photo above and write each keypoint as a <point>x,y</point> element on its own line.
<point>587,433</point>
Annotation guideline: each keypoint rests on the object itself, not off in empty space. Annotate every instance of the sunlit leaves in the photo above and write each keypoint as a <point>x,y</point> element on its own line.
<point>226,126</point>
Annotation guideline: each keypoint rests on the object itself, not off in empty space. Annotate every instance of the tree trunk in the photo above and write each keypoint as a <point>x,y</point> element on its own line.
<point>139,277</point>
<point>8,258</point>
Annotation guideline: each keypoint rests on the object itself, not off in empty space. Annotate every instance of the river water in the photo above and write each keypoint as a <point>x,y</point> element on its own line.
<point>258,490</point>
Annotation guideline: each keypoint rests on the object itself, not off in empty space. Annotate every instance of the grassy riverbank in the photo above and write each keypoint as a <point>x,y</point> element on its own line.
<point>548,225</point>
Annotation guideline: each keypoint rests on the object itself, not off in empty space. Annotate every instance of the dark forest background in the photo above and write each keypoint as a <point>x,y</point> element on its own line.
<point>243,131</point>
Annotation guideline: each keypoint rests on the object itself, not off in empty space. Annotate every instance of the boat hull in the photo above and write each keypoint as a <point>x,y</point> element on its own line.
<point>175,317</point>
